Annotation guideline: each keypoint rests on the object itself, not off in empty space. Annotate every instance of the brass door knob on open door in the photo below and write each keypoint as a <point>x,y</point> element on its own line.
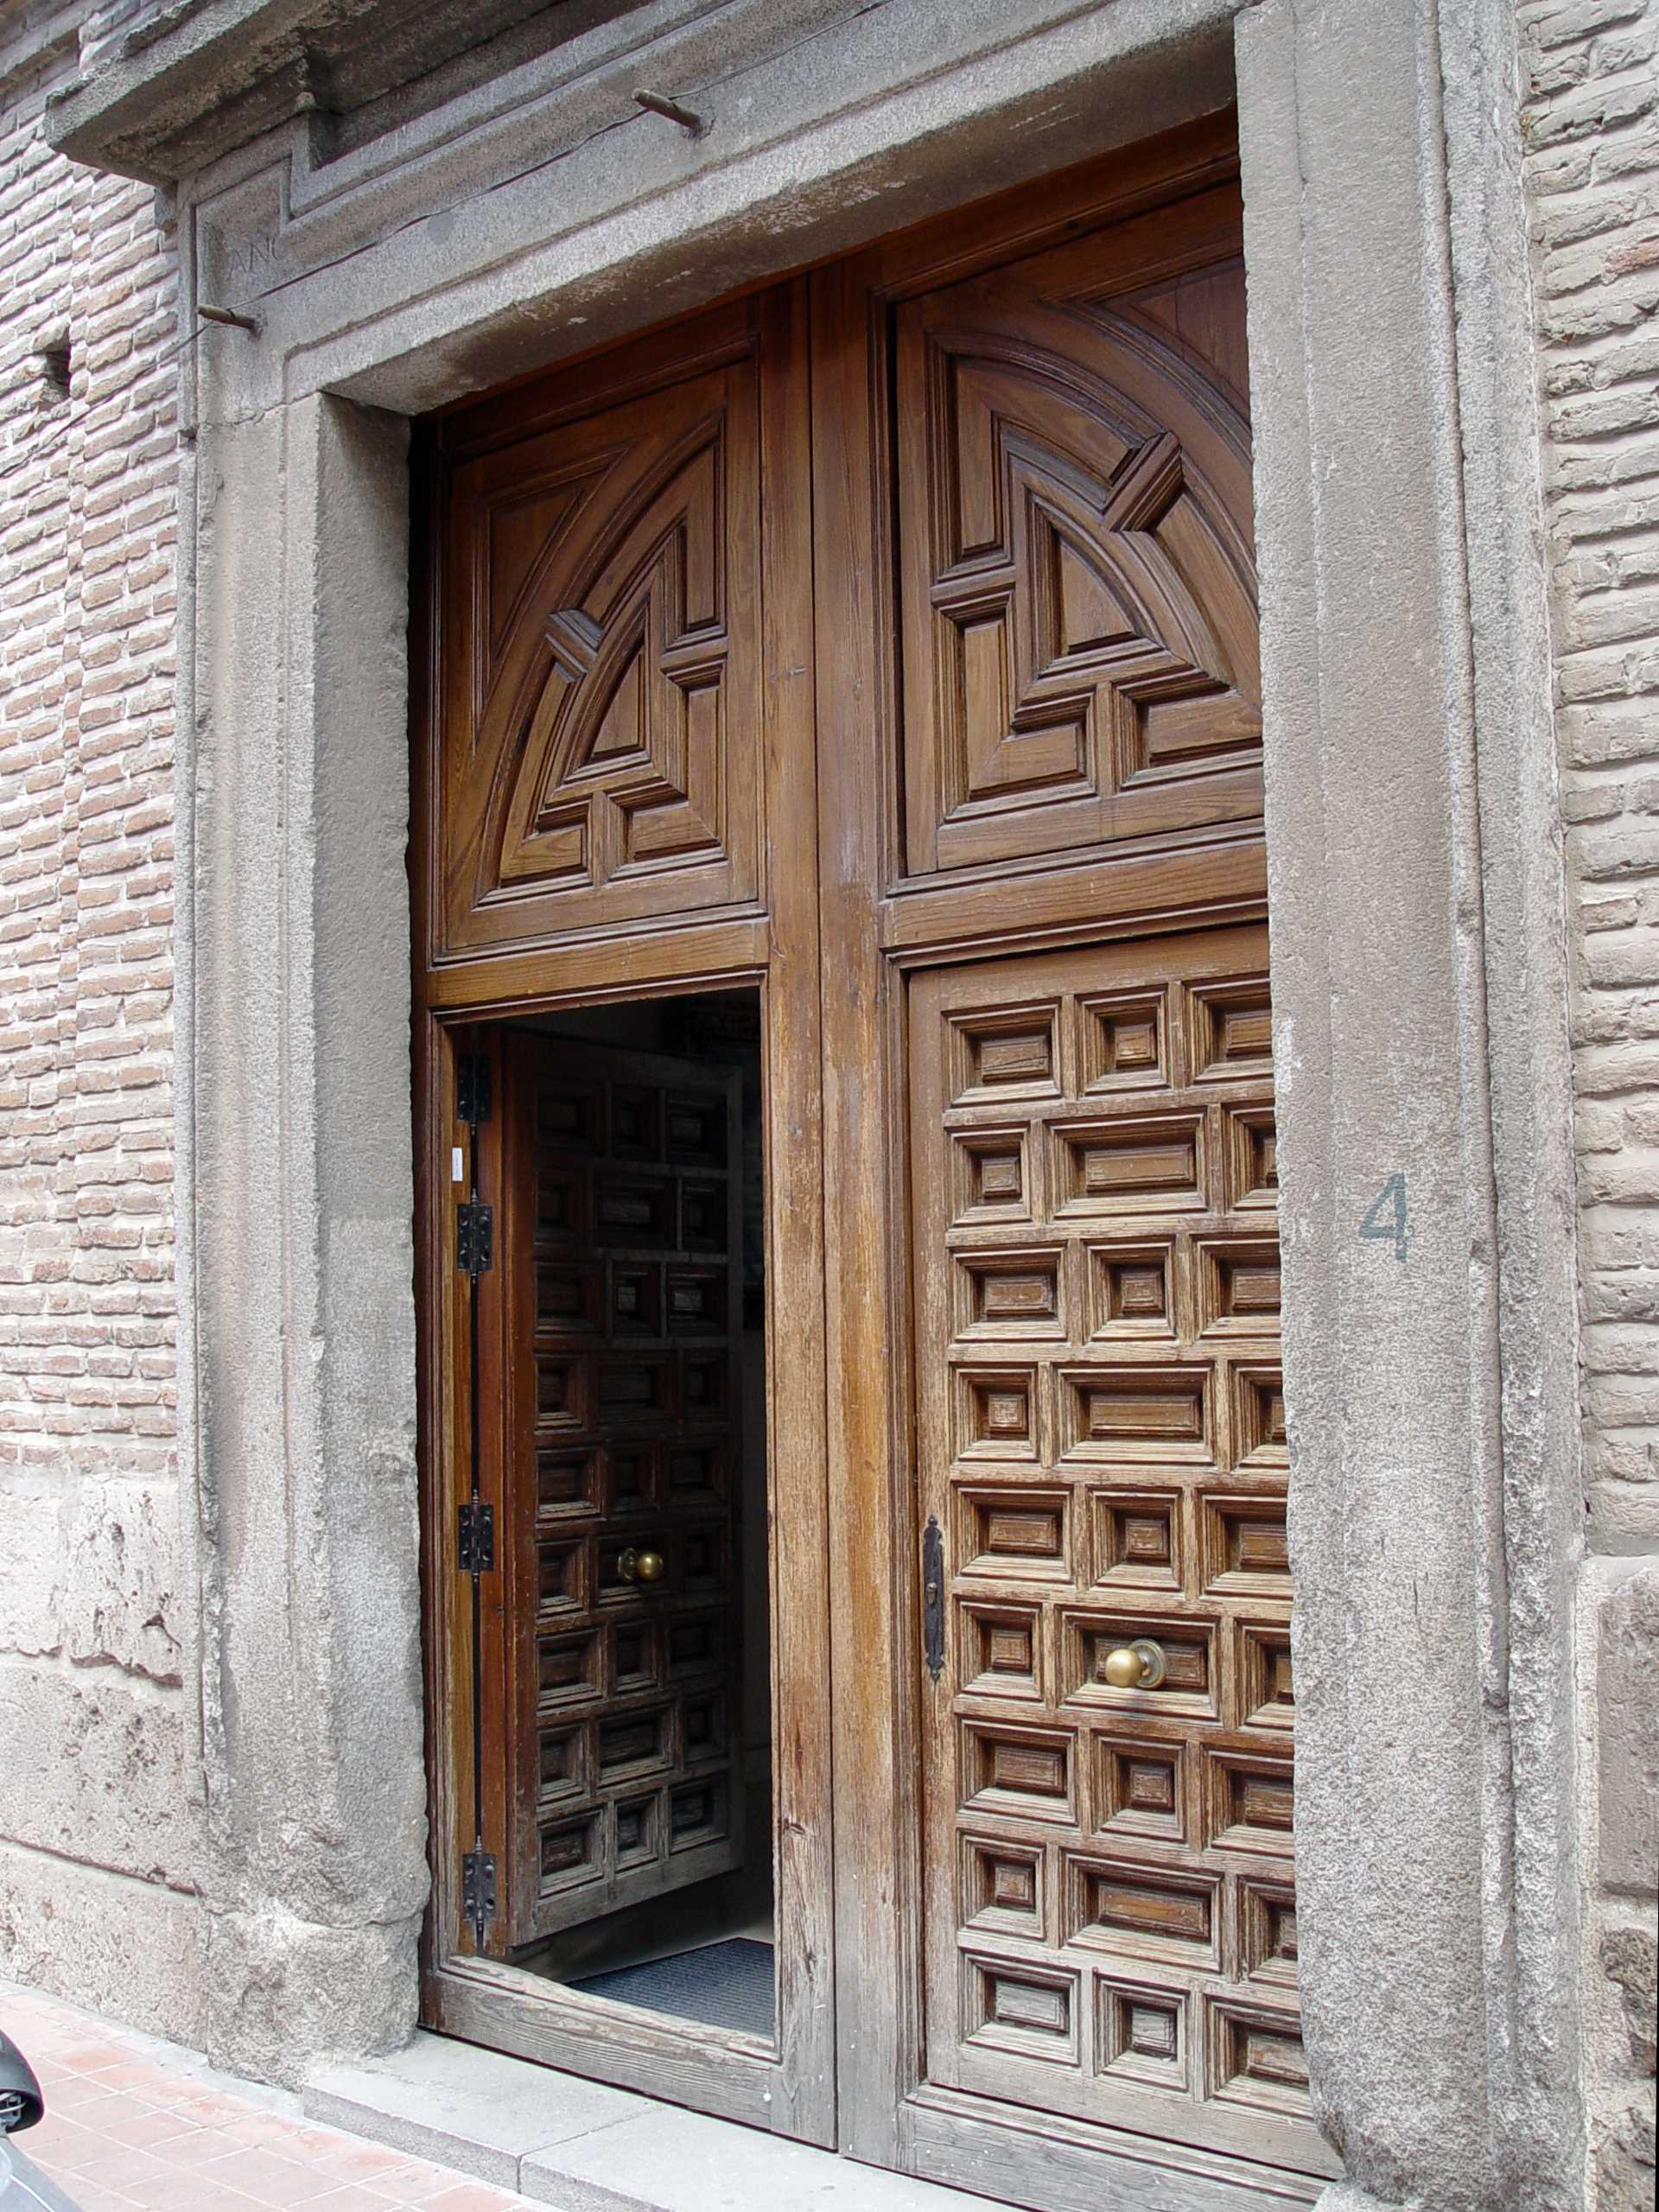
<point>639,1566</point>
<point>1137,1666</point>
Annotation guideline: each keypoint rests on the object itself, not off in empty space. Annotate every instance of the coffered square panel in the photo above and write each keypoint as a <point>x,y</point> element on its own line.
<point>1140,1787</point>
<point>1248,1801</point>
<point>1101,1435</point>
<point>1254,2056</point>
<point>1133,1290</point>
<point>1006,1052</point>
<point>1229,1029</point>
<point>1028,1773</point>
<point>1122,1041</point>
<point>1138,1538</point>
<point>996,1412</point>
<point>1268,1931</point>
<point>1005,1887</point>
<point>1028,2010</point>
<point>1267,1691</point>
<point>1015,1532</point>
<point>1143,2033</point>
<point>1251,1156</point>
<point>1238,1285</point>
<point>1010,1292</point>
<point>1001,1651</point>
<point>1243,1544</point>
<point>992,1174</point>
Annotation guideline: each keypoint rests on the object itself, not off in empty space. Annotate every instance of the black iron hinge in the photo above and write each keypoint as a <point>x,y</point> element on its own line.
<point>473,1089</point>
<point>475,1238</point>
<point>933,1597</point>
<point>475,1545</point>
<point>478,1902</point>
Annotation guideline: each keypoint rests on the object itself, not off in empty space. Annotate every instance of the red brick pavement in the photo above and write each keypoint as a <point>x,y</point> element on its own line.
<point>132,2125</point>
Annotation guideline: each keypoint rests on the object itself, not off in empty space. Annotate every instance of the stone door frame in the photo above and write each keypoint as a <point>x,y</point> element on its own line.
<point>1417,934</point>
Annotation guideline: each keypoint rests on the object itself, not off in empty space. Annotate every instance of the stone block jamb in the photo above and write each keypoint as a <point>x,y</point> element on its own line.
<point>1419,978</point>
<point>1419,983</point>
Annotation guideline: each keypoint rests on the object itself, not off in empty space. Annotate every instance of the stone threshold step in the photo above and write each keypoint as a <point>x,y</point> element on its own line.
<point>583,2147</point>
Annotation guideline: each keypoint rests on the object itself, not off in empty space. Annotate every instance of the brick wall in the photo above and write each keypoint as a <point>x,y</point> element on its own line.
<point>1592,166</point>
<point>91,1710</point>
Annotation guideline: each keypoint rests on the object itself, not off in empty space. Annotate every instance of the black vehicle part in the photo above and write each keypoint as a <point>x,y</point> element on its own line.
<point>21,2101</point>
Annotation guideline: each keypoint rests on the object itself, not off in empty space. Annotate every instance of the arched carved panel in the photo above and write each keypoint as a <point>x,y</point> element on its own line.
<point>603,711</point>
<point>1079,595</point>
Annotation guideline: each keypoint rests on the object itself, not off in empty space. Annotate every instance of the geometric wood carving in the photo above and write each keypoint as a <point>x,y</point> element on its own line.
<point>1079,593</point>
<point>1111,1915</point>
<point>619,767</point>
<point>602,707</point>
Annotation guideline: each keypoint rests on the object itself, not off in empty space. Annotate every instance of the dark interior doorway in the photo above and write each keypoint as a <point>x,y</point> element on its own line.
<point>637,1284</point>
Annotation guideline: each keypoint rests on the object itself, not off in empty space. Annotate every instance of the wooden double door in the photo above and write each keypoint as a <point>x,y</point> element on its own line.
<point>883,644</point>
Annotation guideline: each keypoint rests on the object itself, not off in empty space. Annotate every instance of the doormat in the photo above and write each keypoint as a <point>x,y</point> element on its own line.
<point>723,1985</point>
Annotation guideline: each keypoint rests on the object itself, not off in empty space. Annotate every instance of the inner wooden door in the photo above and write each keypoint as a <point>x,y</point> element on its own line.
<point>623,1733</point>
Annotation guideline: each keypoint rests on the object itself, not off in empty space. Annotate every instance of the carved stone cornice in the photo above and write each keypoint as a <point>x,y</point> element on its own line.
<point>194,81</point>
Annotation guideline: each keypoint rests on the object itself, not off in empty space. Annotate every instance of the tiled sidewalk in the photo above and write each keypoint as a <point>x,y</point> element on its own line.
<point>133,2126</point>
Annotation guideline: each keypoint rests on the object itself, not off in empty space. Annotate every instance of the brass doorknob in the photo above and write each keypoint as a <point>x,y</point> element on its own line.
<point>639,1566</point>
<point>1137,1666</point>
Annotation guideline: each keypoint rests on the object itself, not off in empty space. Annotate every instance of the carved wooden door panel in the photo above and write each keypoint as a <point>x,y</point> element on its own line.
<point>1111,1917</point>
<point>1077,589</point>
<point>602,689</point>
<point>614,803</point>
<point>623,1261</point>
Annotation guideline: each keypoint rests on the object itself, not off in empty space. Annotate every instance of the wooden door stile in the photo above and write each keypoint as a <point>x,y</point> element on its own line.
<point>865,1325</point>
<point>804,2094</point>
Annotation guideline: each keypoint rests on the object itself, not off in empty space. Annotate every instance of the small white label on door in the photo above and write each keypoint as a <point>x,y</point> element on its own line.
<point>457,1173</point>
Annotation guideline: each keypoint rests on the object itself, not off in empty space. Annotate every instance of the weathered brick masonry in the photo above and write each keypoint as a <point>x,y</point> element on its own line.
<point>94,1715</point>
<point>91,1707</point>
<point>1592,169</point>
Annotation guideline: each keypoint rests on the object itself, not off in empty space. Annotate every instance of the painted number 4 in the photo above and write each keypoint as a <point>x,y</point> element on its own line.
<point>1386,1222</point>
